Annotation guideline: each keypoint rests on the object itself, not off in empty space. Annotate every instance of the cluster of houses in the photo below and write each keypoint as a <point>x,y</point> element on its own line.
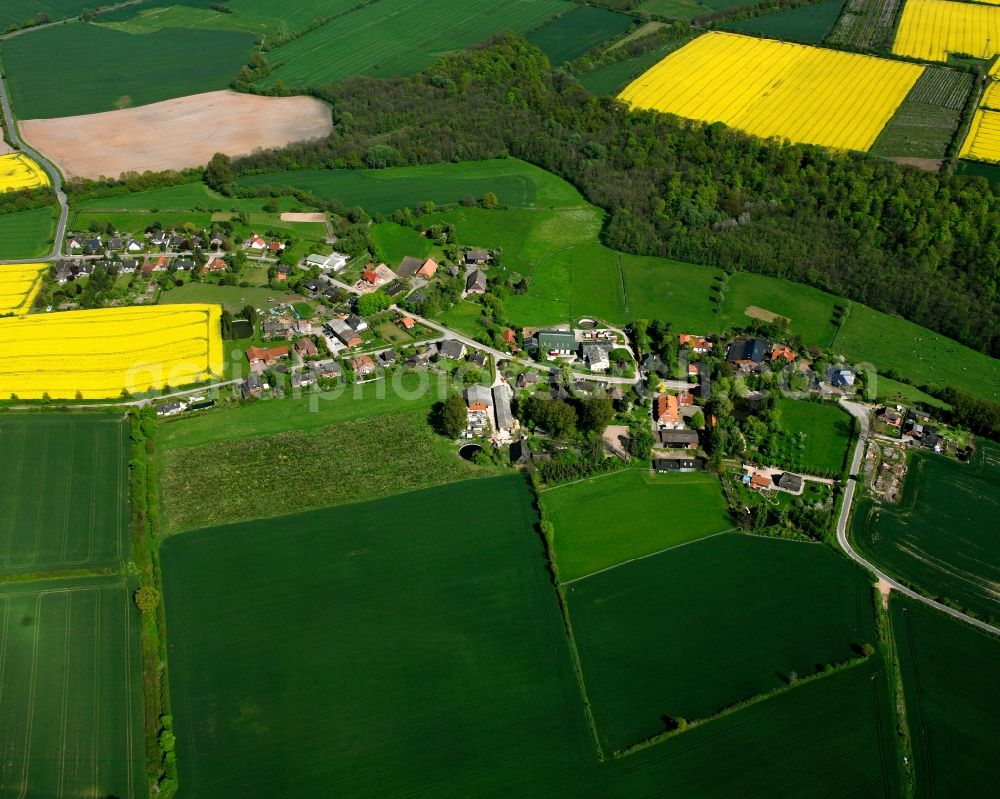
<point>772,480</point>
<point>489,412</point>
<point>164,240</point>
<point>592,348</point>
<point>912,425</point>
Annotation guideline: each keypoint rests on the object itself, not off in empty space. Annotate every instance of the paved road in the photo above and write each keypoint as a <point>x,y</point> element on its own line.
<point>860,412</point>
<point>47,165</point>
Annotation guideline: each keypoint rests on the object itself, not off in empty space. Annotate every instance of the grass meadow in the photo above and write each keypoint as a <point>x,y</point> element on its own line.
<point>65,480</point>
<point>571,35</point>
<point>452,678</point>
<point>396,242</point>
<point>827,429</point>
<point>694,629</point>
<point>607,520</point>
<point>396,38</point>
<point>18,11</point>
<point>809,25</point>
<point>515,183</point>
<point>952,696</point>
<point>80,68</point>
<point>269,475</point>
<point>27,234</point>
<point>943,536</point>
<point>71,719</point>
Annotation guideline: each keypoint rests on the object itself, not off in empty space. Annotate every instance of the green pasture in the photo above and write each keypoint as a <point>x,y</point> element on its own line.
<point>64,481</point>
<point>344,462</point>
<point>232,298</point>
<point>689,631</point>
<point>823,450</point>
<point>26,234</point>
<point>515,183</point>
<point>453,677</point>
<point>942,537</point>
<point>396,242</point>
<point>952,696</point>
<point>71,719</point>
<point>391,38</point>
<point>608,520</point>
<point>81,68</point>
<point>809,24</point>
<point>888,390</point>
<point>571,35</point>
<point>16,12</point>
<point>465,317</point>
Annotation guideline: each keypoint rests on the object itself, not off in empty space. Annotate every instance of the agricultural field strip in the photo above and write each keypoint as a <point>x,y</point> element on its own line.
<point>771,88</point>
<point>18,171</point>
<point>18,287</point>
<point>931,29</point>
<point>983,140</point>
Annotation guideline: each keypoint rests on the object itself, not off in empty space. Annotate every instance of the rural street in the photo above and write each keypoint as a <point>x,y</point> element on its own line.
<point>860,412</point>
<point>54,175</point>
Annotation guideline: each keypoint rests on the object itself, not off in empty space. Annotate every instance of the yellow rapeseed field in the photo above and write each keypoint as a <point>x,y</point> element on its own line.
<point>769,88</point>
<point>991,97</point>
<point>18,286</point>
<point>933,28</point>
<point>983,141</point>
<point>17,171</point>
<point>96,354</point>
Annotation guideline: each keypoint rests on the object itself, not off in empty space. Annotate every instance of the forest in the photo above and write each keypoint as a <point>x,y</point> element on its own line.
<point>920,245</point>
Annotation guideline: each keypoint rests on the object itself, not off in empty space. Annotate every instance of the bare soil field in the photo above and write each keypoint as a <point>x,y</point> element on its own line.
<point>760,313</point>
<point>175,134</point>
<point>298,216</point>
<point>5,148</point>
<point>926,164</point>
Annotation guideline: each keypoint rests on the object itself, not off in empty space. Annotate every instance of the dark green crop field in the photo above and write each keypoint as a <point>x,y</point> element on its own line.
<point>515,183</point>
<point>809,24</point>
<point>952,701</point>
<point>70,682</point>
<point>573,34</point>
<point>694,629</point>
<point>607,520</point>
<point>82,69</point>
<point>398,37</point>
<point>414,646</point>
<point>64,492</point>
<point>943,536</point>
<point>27,234</point>
<point>17,12</point>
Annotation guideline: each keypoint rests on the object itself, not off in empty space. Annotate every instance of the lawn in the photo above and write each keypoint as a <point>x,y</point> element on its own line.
<point>82,69</point>
<point>465,317</point>
<point>27,234</point>
<point>694,629</point>
<point>515,183</point>
<point>65,480</point>
<point>809,24</point>
<point>396,242</point>
<point>397,37</point>
<point>71,716</point>
<point>952,696</point>
<point>571,35</point>
<point>451,678</point>
<point>232,298</point>
<point>824,448</point>
<point>344,462</point>
<point>630,514</point>
<point>943,535</point>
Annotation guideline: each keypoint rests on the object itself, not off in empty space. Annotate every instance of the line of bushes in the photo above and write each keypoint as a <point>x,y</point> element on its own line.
<point>890,652</point>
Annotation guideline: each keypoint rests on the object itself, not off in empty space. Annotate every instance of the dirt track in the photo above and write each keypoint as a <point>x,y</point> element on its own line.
<point>175,134</point>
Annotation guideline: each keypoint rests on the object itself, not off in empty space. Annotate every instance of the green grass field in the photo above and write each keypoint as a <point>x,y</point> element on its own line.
<point>827,428</point>
<point>605,521</point>
<point>571,35</point>
<point>809,24</point>
<point>345,462</point>
<point>26,234</point>
<point>692,630</point>
<point>943,535</point>
<point>65,483</point>
<point>396,242</point>
<point>925,124</point>
<point>893,391</point>
<point>396,37</point>
<point>451,679</point>
<point>232,298</point>
<point>81,69</point>
<point>18,11</point>
<point>515,183</point>
<point>71,717</point>
<point>952,696</point>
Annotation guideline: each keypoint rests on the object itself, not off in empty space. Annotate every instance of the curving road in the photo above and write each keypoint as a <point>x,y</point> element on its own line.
<point>48,166</point>
<point>860,412</point>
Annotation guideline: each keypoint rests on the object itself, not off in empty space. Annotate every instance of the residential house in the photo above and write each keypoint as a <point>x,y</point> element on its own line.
<point>344,332</point>
<point>73,243</point>
<point>170,408</point>
<point>128,266</point>
<point>262,357</point>
<point>698,344</point>
<point>475,282</point>
<point>556,343</point>
<point>184,264</point>
<point>335,261</point>
<point>479,358</point>
<point>409,266</point>
<point>501,407</point>
<point>276,329</point>
<point>356,323</point>
<point>252,386</point>
<point>255,243</point>
<point>686,399</point>
<point>306,348</point>
<point>214,265</point>
<point>680,439</point>
<point>782,352</point>
<point>527,379</point>
<point>116,243</point>
<point>420,358</point>
<point>329,369</point>
<point>653,364</point>
<point>303,327</point>
<point>388,357</point>
<point>891,417</point>
<point>407,322</point>
<point>427,270</point>
<point>283,272</point>
<point>748,353</point>
<point>476,256</point>
<point>363,365</point>
<point>790,482</point>
<point>842,378</point>
<point>395,288</point>
<point>510,338</point>
<point>303,378</point>
<point>478,398</point>
<point>451,348</point>
<point>276,247</point>
<point>666,411</point>
<point>315,285</point>
<point>596,357</point>
<point>133,246</point>
<point>673,465</point>
<point>760,482</point>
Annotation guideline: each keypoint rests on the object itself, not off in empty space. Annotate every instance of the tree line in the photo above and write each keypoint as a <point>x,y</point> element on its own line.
<point>924,246</point>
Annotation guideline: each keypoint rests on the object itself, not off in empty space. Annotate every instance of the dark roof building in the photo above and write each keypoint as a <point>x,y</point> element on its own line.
<point>666,465</point>
<point>749,351</point>
<point>409,266</point>
<point>452,348</point>
<point>790,482</point>
<point>678,438</point>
